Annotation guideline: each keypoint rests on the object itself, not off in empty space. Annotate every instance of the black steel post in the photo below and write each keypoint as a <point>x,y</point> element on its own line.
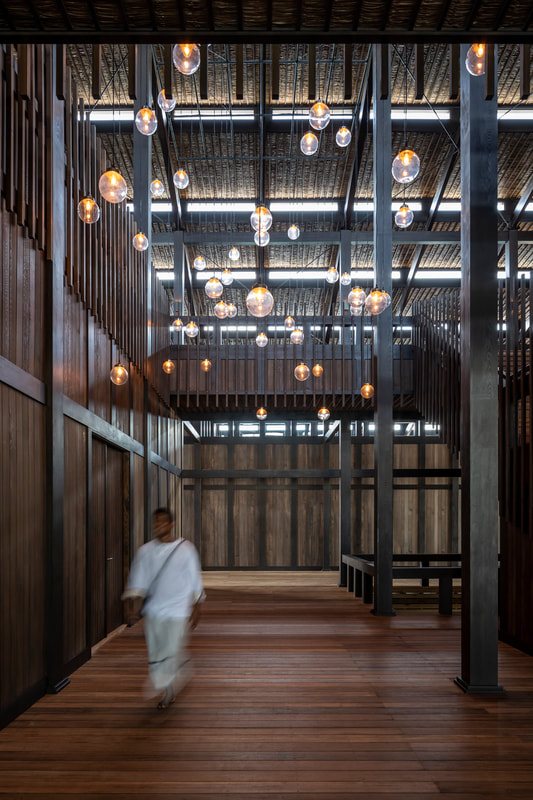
<point>345,481</point>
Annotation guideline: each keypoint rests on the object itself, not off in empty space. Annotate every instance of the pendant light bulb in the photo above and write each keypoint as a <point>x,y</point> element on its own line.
<point>318,370</point>
<point>166,105</point>
<point>261,219</point>
<point>157,188</point>
<point>297,336</point>
<point>234,254</point>
<point>146,121</point>
<point>405,166</point>
<point>346,279</point>
<point>261,238</point>
<point>319,116</point>
<point>186,58</point>
<point>199,263</point>
<point>289,323</point>
<point>259,301</point>
<point>367,391</point>
<point>226,278</point>
<point>177,325</point>
<point>231,310</point>
<point>205,365</point>
<point>357,296</point>
<point>475,59</point>
<point>404,216</point>
<point>140,242</point>
<point>213,288</point>
<point>261,340</point>
<point>323,414</point>
<point>261,413</point>
<point>181,179</point>
<point>112,186</point>
<point>332,275</point>
<point>168,366</point>
<point>301,372</point>
<point>88,210</point>
<point>343,137</point>
<point>309,144</point>
<point>191,330</point>
<point>293,232</point>
<point>119,375</point>
<point>221,310</point>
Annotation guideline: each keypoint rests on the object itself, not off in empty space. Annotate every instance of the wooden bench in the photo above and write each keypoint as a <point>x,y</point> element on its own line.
<point>360,571</point>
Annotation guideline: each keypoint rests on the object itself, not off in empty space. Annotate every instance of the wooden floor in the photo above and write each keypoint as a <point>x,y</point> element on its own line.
<point>298,691</point>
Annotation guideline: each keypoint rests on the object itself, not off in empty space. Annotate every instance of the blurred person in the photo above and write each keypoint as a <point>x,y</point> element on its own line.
<point>165,587</point>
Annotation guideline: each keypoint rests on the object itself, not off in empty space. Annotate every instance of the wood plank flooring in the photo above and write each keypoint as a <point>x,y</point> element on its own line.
<point>298,691</point>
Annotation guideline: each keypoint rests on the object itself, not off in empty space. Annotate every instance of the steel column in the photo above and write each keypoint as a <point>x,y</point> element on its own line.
<point>383,438</point>
<point>479,386</point>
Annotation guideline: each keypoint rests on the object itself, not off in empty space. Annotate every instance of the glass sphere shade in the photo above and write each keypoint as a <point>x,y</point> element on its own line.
<point>191,330</point>
<point>319,116</point>
<point>146,121</point>
<point>323,414</point>
<point>261,413</point>
<point>367,391</point>
<point>356,311</point>
<point>297,336</point>
<point>88,210</point>
<point>343,137</point>
<point>231,310</point>
<point>168,366</point>
<point>405,166</point>
<point>346,279</point>
<point>259,301</point>
<point>261,238</point>
<point>119,375</point>
<point>213,288</point>
<point>301,372</point>
<point>261,219</point>
<point>181,179</point>
<point>404,216</point>
<point>357,296</point>
<point>221,310</point>
<point>318,370</point>
<point>140,242</point>
<point>205,365</point>
<point>199,263</point>
<point>261,340</point>
<point>293,232</point>
<point>475,60</point>
<point>234,254</point>
<point>332,275</point>
<point>309,144</point>
<point>112,186</point>
<point>177,325</point>
<point>226,277</point>
<point>186,58</point>
<point>166,105</point>
<point>157,188</point>
<point>289,323</point>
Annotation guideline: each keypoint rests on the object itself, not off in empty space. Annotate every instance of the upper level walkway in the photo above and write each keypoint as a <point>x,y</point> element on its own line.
<point>298,691</point>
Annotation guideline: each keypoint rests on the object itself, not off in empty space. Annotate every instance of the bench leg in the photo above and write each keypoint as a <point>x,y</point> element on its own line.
<point>358,589</point>
<point>367,588</point>
<point>350,578</point>
<point>342,574</point>
<point>445,595</point>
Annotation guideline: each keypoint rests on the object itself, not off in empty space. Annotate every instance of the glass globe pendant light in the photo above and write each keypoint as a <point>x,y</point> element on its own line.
<point>261,219</point>
<point>112,186</point>
<point>323,413</point>
<point>166,105</point>
<point>346,279</point>
<point>259,301</point>
<point>234,254</point>
<point>357,296</point>
<point>261,413</point>
<point>168,366</point>
<point>157,188</point>
<point>226,277</point>
<point>186,58</point>
<point>88,210</point>
<point>205,365</point>
<point>297,336</point>
<point>213,288</point>
<point>367,391</point>
<point>343,137</point>
<point>181,179</point>
<point>377,301</point>
<point>332,275</point>
<point>356,311</point>
<point>405,166</point>
<point>221,310</point>
<point>177,325</point>
<point>289,323</point>
<point>309,144</point>
<point>191,330</point>
<point>475,60</point>
<point>231,310</point>
<point>318,370</point>
<point>199,263</point>
<point>261,238</point>
<point>404,216</point>
<point>301,372</point>
<point>140,242</point>
<point>293,232</point>
<point>261,340</point>
<point>146,121</point>
<point>319,116</point>
<point>119,375</point>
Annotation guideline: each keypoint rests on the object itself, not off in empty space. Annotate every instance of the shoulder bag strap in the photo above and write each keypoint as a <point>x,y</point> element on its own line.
<point>150,590</point>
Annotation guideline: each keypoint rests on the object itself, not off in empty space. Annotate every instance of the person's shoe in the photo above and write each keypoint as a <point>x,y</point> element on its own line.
<point>167,699</point>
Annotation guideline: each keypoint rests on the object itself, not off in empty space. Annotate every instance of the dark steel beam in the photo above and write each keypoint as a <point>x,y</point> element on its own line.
<point>479,387</point>
<point>383,411</point>
<point>525,72</point>
<point>345,483</point>
<point>361,136</point>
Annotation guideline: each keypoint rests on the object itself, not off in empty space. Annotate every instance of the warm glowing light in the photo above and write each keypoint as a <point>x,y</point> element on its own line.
<point>234,254</point>
<point>112,186</point>
<point>261,340</point>
<point>301,372</point>
<point>259,301</point>
<point>475,60</point>
<point>231,310</point>
<point>261,413</point>
<point>205,365</point>
<point>186,58</point>
<point>221,310</point>
<point>404,216</point>
<point>119,375</point>
<point>297,336</point>
<point>332,275</point>
<point>168,366</point>
<point>166,105</point>
<point>293,232</point>
<point>177,325</point>
<point>181,179</point>
<point>191,330</point>
<point>261,219</point>
<point>343,137</point>
<point>346,279</point>
<point>289,323</point>
<point>261,238</point>
<point>146,121</point>
<point>367,391</point>
<point>356,311</point>
<point>157,188</point>
<point>323,414</point>
<point>226,277</point>
<point>309,144</point>
<point>377,301</point>
<point>318,370</point>
<point>405,166</point>
<point>319,116</point>
<point>213,288</point>
<point>88,210</point>
<point>140,241</point>
<point>199,263</point>
<point>357,296</point>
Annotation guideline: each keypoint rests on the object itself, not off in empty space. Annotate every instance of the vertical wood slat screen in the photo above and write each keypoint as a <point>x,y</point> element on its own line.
<point>107,274</point>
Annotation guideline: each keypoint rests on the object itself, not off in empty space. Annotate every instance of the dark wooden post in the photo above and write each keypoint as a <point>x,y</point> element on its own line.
<point>383,437</point>
<point>345,482</point>
<point>479,386</point>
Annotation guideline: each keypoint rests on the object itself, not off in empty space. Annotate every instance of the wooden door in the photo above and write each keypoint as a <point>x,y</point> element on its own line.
<point>106,548</point>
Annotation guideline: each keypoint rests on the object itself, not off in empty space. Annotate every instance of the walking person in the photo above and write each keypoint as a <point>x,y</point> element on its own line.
<point>166,576</point>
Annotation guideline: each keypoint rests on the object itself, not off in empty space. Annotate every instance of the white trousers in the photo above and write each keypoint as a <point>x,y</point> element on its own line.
<point>166,640</point>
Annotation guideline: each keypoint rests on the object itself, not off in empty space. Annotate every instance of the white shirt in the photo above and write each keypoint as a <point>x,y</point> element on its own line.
<point>178,586</point>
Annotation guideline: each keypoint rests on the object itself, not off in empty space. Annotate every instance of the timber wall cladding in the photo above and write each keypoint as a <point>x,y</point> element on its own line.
<point>284,522</point>
<point>22,544</point>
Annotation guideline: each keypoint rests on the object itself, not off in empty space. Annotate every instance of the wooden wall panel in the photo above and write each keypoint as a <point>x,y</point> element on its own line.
<point>97,629</point>
<point>367,520</point>
<point>215,456</point>
<point>74,539</point>
<point>115,536</point>
<point>334,525</point>
<point>22,544</point>
<point>214,527</point>
<point>278,527</point>
<point>120,395</point>
<point>437,538</point>
<point>246,527</point>
<point>102,365</point>
<point>174,500</point>
<point>310,522</point>
<point>155,487</point>
<point>74,348</point>
<point>405,501</point>
<point>137,501</point>
<point>516,596</point>
<point>137,391</point>
<point>187,510</point>
<point>163,487</point>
